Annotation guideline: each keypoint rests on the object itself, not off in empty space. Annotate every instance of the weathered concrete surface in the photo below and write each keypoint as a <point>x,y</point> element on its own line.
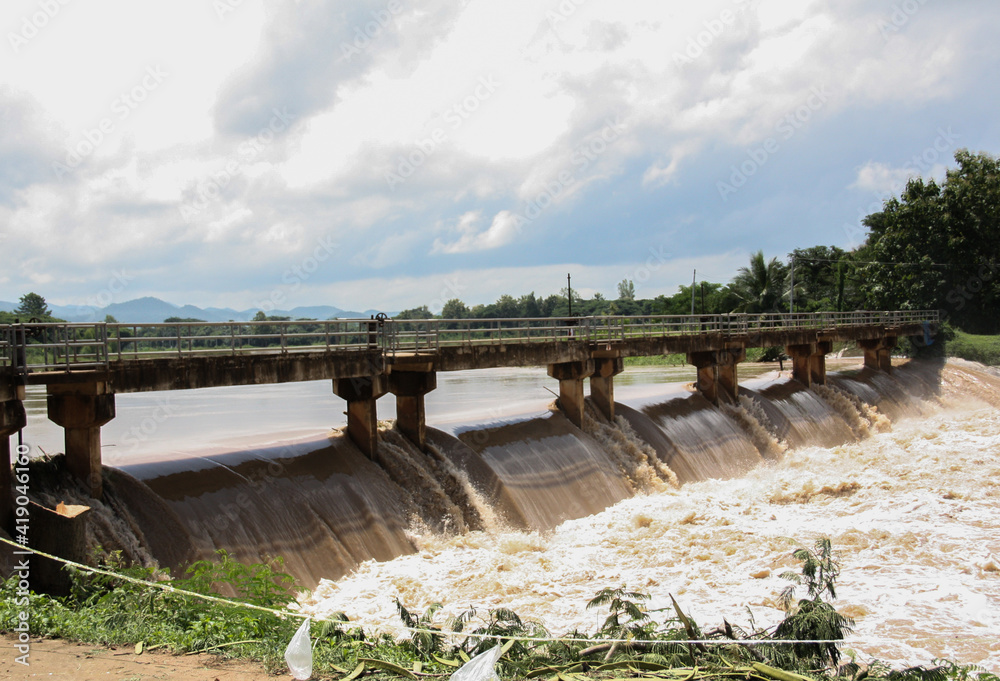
<point>362,393</point>
<point>189,372</point>
<point>541,353</point>
<point>571,376</point>
<point>409,387</point>
<point>602,384</point>
<point>717,375</point>
<point>81,409</point>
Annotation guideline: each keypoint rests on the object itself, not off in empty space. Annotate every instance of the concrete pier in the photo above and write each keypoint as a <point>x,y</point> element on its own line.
<point>571,376</point>
<point>809,361</point>
<point>12,419</point>
<point>362,393</point>
<point>717,376</point>
<point>81,409</point>
<point>602,384</point>
<point>409,383</point>
<point>878,352</point>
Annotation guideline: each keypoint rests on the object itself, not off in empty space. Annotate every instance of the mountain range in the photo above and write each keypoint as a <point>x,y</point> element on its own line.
<point>151,310</point>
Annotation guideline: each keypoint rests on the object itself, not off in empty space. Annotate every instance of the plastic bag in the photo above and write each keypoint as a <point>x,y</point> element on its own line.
<point>299,654</point>
<point>480,668</point>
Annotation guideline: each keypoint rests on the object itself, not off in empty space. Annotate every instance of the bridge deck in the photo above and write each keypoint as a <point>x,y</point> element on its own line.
<point>139,358</point>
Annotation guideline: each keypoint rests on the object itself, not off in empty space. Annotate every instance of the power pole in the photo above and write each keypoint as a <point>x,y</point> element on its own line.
<point>569,294</point>
<point>791,294</point>
<point>694,275</point>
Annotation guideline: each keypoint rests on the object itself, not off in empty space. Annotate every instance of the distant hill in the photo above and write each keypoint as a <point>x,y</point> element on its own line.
<point>150,310</point>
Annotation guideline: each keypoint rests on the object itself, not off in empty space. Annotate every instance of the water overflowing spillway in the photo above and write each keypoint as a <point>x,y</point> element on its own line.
<point>677,496</point>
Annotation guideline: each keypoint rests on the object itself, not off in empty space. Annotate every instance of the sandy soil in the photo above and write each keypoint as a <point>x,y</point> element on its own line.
<point>59,659</point>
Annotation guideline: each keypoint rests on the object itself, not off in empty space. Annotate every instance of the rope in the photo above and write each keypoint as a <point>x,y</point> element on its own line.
<point>415,630</point>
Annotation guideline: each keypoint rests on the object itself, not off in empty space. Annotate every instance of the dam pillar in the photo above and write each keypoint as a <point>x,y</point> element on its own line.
<point>362,393</point>
<point>81,409</point>
<point>602,384</point>
<point>878,352</point>
<point>809,361</point>
<point>717,375</point>
<point>409,387</point>
<point>570,376</point>
<point>12,419</point>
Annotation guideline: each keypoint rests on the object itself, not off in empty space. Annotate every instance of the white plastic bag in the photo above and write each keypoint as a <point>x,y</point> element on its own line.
<point>480,668</point>
<point>299,653</point>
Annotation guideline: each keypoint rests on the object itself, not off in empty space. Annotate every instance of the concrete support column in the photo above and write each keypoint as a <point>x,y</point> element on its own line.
<point>809,361</point>
<point>570,376</point>
<point>602,384</point>
<point>362,393</point>
<point>81,409</point>
<point>409,387</point>
<point>12,419</point>
<point>718,378</point>
<point>878,352</point>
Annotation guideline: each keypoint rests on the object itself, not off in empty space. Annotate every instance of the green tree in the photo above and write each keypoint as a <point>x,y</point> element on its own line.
<point>626,290</point>
<point>32,305</point>
<point>938,246</point>
<point>825,279</point>
<point>454,309</point>
<point>422,312</point>
<point>759,287</point>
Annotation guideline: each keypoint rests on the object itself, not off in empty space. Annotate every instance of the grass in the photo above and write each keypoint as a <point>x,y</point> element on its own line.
<point>982,349</point>
<point>109,610</point>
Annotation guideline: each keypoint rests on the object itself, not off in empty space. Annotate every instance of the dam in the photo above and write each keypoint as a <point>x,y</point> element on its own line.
<point>83,366</point>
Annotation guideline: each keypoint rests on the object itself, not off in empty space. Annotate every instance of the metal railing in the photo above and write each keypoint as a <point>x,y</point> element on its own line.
<point>26,348</point>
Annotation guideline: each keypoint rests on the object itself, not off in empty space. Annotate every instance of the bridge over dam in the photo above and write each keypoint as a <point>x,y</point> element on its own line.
<point>84,366</point>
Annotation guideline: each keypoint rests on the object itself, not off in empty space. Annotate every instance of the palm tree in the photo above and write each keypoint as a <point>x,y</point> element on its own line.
<point>760,287</point>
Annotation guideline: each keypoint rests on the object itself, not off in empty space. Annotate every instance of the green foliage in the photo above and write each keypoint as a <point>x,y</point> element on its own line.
<point>32,305</point>
<point>938,246</point>
<point>983,349</point>
<point>812,618</point>
<point>760,286</point>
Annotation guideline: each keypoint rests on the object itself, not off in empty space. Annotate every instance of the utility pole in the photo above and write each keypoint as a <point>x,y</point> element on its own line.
<point>694,275</point>
<point>791,293</point>
<point>569,294</point>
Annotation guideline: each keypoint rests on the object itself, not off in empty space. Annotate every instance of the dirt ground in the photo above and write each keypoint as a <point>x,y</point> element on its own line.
<point>65,660</point>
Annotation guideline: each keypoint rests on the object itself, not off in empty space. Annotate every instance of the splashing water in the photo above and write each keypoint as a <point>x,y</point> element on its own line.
<point>914,515</point>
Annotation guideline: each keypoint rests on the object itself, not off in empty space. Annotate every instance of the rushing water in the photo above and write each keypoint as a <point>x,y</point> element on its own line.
<point>513,506</point>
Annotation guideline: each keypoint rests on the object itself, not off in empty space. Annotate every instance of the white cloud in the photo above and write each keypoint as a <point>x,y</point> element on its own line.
<point>502,230</point>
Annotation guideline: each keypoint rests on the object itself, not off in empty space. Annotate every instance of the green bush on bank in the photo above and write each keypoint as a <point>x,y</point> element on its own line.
<point>111,610</point>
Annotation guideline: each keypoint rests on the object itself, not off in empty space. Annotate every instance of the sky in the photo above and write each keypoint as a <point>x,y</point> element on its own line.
<point>386,154</point>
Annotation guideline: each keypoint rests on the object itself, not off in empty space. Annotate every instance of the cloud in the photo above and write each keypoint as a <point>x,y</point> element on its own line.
<point>882,179</point>
<point>502,230</point>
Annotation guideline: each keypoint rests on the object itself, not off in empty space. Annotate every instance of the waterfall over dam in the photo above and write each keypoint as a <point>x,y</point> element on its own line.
<point>326,508</point>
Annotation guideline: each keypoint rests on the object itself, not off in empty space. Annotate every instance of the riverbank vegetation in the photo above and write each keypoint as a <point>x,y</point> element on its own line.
<point>131,608</point>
